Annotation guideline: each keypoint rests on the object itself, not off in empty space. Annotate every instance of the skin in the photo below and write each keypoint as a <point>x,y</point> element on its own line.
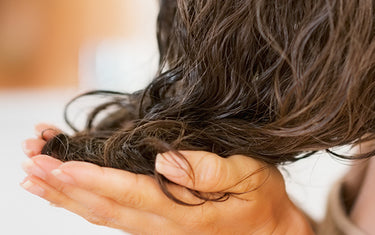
<point>127,201</point>
<point>359,189</point>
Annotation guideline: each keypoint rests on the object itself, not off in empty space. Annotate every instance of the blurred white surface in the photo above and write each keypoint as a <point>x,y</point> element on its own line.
<point>308,181</point>
<point>110,64</point>
<point>23,213</point>
<point>20,211</point>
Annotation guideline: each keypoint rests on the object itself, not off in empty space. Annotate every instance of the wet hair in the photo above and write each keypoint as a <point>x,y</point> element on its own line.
<point>272,80</point>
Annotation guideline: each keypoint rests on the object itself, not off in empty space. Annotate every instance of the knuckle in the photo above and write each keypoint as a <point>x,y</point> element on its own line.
<point>57,203</point>
<point>210,173</point>
<point>260,176</point>
<point>246,186</point>
<point>132,200</point>
<point>56,198</point>
<point>250,173</point>
<point>96,220</point>
<point>64,188</point>
<point>102,215</point>
<point>138,191</point>
<point>100,210</point>
<point>97,210</point>
<point>254,180</point>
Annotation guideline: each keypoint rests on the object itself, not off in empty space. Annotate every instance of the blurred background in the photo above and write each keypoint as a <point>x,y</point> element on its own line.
<point>53,50</point>
<point>55,44</point>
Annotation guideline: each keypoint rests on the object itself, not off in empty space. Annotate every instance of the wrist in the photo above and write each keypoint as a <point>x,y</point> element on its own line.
<point>299,223</point>
<point>292,221</point>
<point>286,219</point>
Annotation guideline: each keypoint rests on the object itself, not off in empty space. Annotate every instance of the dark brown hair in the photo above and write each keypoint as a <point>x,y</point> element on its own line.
<point>272,80</point>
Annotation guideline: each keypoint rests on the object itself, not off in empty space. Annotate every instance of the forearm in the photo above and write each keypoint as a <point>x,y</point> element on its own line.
<point>353,180</point>
<point>296,222</point>
<point>290,220</point>
<point>359,190</point>
<point>363,210</point>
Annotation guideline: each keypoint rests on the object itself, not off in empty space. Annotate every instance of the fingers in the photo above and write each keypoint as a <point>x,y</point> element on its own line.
<point>132,190</point>
<point>79,180</point>
<point>95,209</point>
<point>136,191</point>
<point>46,131</point>
<point>39,188</point>
<point>211,173</point>
<point>41,166</point>
<point>33,147</point>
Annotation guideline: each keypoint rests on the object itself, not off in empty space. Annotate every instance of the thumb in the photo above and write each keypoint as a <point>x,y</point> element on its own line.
<point>207,172</point>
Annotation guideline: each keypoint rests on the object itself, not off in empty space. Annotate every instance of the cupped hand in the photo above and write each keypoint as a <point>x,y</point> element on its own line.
<point>136,204</point>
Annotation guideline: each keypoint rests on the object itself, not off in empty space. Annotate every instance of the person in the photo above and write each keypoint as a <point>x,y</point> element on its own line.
<point>135,203</point>
<point>252,80</point>
<point>104,195</point>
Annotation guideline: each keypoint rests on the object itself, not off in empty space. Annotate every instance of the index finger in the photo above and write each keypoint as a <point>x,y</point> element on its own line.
<point>128,189</point>
<point>46,131</point>
<point>32,147</point>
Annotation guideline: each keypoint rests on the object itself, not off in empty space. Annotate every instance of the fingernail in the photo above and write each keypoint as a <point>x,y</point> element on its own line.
<point>33,188</point>
<point>32,169</point>
<point>60,175</point>
<point>171,165</point>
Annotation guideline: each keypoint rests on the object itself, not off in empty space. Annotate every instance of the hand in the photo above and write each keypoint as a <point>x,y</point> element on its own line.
<point>43,132</point>
<point>135,203</point>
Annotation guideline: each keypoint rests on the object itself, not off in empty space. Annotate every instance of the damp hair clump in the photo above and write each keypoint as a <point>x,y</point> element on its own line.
<point>272,80</point>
